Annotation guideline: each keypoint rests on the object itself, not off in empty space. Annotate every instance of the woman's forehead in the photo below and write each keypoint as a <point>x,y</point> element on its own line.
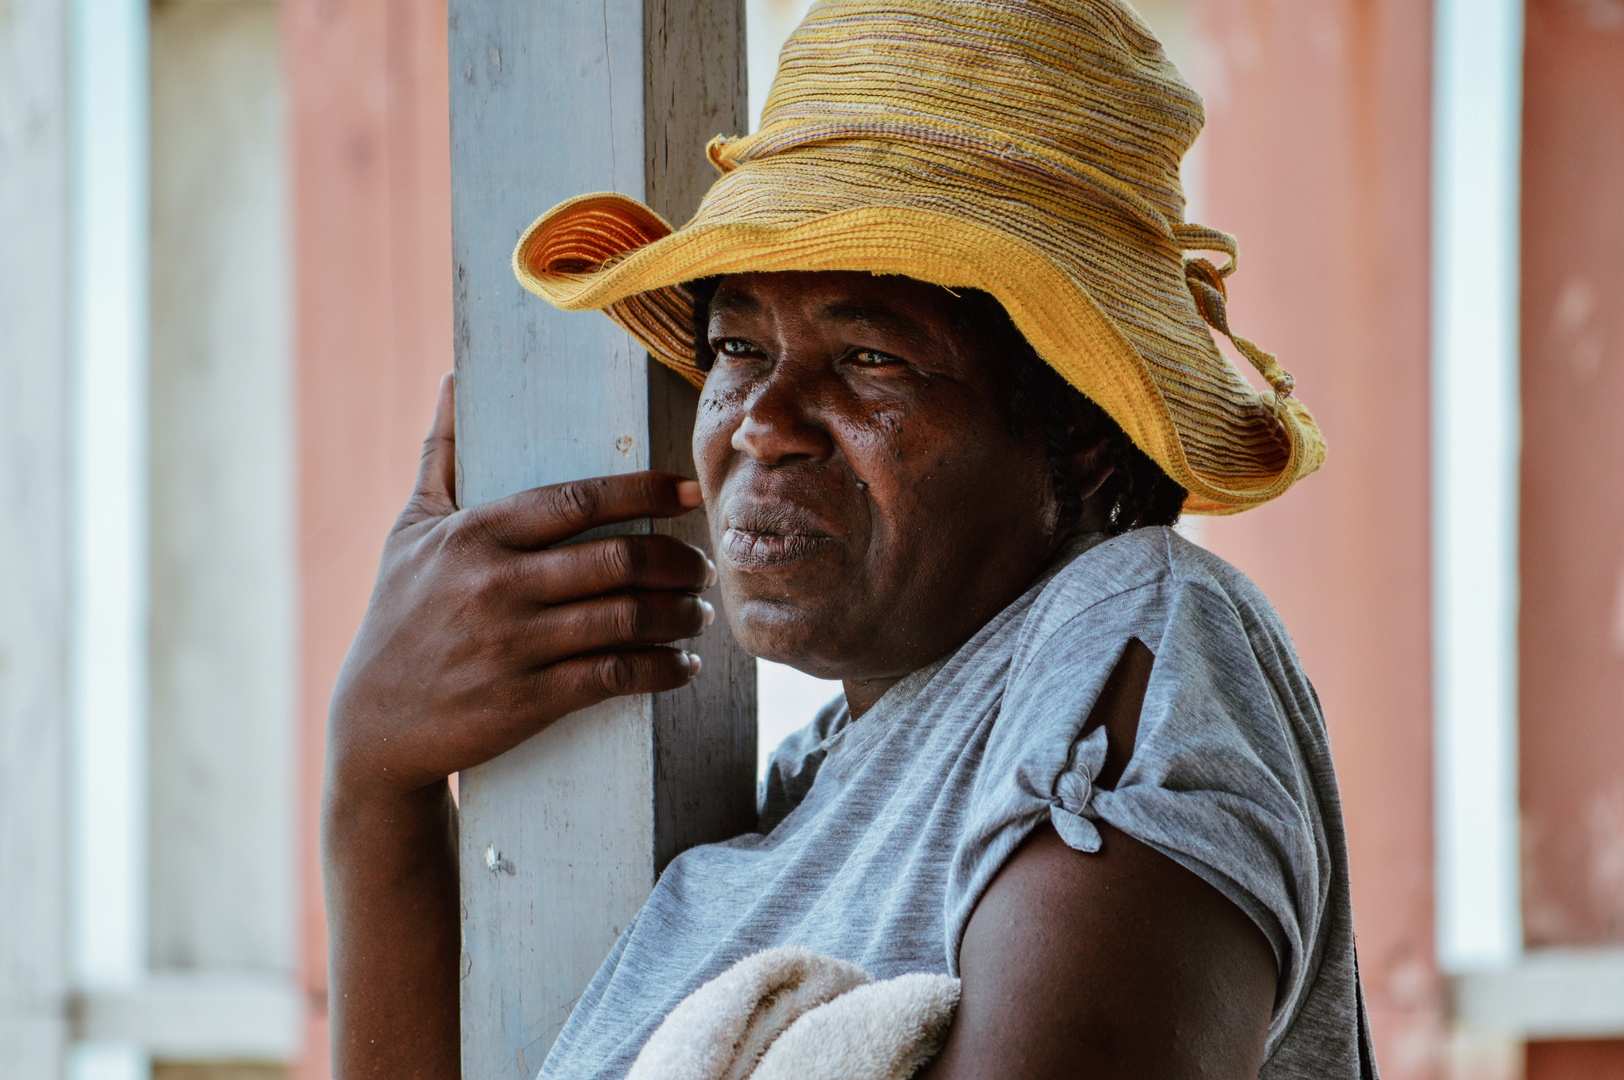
<point>833,295</point>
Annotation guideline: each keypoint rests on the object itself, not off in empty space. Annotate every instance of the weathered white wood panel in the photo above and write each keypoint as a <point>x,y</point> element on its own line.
<point>34,536</point>
<point>1476,455</point>
<point>223,583</point>
<point>215,1018</point>
<point>109,670</point>
<point>562,838</point>
<point>1573,993</point>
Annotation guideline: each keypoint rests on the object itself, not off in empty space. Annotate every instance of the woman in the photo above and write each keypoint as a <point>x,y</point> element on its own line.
<point>957,383</point>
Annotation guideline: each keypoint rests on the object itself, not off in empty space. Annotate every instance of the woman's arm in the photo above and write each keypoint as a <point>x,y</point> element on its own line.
<point>1110,966</point>
<point>480,632</point>
<point>1114,965</point>
<point>390,870</point>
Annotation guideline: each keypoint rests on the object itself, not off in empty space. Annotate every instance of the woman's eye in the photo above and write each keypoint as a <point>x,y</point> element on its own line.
<point>734,347</point>
<point>873,358</point>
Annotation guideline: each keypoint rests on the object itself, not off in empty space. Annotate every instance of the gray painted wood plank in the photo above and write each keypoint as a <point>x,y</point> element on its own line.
<point>705,734</point>
<point>562,838</point>
<point>34,536</point>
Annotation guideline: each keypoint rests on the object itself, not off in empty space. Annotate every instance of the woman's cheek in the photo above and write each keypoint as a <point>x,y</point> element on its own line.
<point>882,436</point>
<point>714,425</point>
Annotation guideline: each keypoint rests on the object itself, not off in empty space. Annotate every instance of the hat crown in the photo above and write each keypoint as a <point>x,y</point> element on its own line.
<point>1026,148</point>
<point>1084,81</point>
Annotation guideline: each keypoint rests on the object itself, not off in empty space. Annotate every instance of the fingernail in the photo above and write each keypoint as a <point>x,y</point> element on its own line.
<point>710,573</point>
<point>688,493</point>
<point>693,664</point>
<point>710,612</point>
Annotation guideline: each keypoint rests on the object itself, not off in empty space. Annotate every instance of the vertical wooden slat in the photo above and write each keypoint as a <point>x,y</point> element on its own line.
<point>222,646</point>
<point>34,536</point>
<point>704,734</point>
<point>562,838</point>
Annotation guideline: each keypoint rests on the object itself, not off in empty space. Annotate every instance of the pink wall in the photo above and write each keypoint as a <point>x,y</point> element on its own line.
<point>1572,624</point>
<point>1572,641</point>
<point>1590,1059</point>
<point>1318,150</point>
<point>371,200</point>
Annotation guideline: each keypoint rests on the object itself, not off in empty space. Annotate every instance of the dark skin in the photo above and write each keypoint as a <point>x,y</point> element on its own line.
<point>872,506</point>
<point>827,446</point>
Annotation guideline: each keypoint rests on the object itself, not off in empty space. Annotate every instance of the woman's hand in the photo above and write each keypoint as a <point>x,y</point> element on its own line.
<point>479,634</point>
<point>481,631</point>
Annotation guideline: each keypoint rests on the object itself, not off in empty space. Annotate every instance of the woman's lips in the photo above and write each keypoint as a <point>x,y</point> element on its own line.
<point>755,550</point>
<point>759,533</point>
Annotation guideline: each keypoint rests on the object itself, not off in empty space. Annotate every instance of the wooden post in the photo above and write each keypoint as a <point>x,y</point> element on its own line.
<point>34,537</point>
<point>562,838</point>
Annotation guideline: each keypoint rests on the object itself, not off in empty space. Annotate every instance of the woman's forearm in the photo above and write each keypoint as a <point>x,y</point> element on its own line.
<point>390,869</point>
<point>483,629</point>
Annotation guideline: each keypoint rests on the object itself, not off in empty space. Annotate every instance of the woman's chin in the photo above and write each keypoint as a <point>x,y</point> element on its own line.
<point>785,633</point>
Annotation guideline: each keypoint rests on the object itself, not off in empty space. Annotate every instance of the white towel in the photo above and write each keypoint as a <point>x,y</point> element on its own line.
<point>790,1014</point>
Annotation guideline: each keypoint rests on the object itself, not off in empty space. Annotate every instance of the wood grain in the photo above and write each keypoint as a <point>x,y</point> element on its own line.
<point>562,838</point>
<point>34,536</point>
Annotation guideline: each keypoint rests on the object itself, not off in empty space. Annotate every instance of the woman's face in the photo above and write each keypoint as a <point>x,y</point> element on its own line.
<point>870,504</point>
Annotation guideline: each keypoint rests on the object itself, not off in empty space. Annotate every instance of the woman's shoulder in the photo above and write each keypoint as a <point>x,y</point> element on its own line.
<point>1155,555</point>
<point>1228,772</point>
<point>792,768</point>
<point>1130,584</point>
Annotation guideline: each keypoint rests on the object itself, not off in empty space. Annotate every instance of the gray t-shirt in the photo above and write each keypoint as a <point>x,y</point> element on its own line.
<point>879,836</point>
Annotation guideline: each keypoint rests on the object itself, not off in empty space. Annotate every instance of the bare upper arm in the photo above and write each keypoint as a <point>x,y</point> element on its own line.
<point>1110,965</point>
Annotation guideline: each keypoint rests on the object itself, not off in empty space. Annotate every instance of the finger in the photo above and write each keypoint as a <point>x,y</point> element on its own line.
<point>435,494</point>
<point>586,680</point>
<point>607,623</point>
<point>556,690</point>
<point>614,564</point>
<point>547,515</point>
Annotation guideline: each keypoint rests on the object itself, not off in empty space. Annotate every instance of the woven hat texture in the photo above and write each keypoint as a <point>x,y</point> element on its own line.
<point>1028,148</point>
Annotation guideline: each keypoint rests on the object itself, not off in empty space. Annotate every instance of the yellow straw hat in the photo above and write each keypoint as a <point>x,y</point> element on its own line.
<point>1027,148</point>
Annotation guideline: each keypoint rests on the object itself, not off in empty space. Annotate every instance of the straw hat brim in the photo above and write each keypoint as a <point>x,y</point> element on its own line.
<point>609,252</point>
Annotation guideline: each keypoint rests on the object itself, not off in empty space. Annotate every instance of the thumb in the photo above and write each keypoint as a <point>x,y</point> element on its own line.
<point>435,494</point>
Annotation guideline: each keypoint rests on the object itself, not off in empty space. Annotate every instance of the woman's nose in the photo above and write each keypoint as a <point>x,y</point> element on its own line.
<point>777,428</point>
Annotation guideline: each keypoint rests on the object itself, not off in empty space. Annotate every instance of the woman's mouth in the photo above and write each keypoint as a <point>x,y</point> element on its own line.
<point>773,534</point>
<point>756,550</point>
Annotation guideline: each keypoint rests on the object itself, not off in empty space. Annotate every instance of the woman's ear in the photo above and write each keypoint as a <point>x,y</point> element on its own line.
<point>1091,462</point>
